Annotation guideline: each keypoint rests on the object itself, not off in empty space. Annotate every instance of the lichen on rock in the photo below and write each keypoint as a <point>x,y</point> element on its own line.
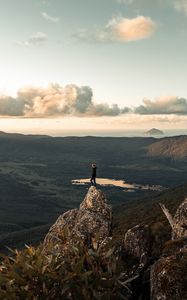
<point>56,239</point>
<point>90,224</point>
<point>138,242</point>
<point>180,221</point>
<point>169,277</point>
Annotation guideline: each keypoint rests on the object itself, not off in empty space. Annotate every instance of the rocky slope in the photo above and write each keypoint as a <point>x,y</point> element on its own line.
<point>145,277</point>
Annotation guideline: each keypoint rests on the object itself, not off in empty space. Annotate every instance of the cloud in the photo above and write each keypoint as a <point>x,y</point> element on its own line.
<point>181,5</point>
<point>72,100</point>
<point>106,110</point>
<point>120,30</point>
<point>127,30</point>
<point>163,105</point>
<point>10,106</point>
<point>56,100</point>
<point>37,39</point>
<point>50,18</point>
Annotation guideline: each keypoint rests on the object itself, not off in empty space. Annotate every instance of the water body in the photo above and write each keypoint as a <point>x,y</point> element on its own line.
<point>128,187</point>
<point>118,133</point>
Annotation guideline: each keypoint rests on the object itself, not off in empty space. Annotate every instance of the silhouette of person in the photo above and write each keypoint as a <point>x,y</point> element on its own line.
<point>92,180</point>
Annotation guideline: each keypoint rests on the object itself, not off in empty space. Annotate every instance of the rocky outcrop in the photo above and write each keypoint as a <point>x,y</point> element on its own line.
<point>138,242</point>
<point>180,221</point>
<point>169,273</point>
<point>169,277</point>
<point>90,224</point>
<point>56,239</point>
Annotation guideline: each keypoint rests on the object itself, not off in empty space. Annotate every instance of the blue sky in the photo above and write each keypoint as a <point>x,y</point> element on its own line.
<point>131,53</point>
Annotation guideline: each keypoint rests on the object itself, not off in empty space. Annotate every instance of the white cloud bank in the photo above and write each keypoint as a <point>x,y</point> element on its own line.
<point>72,100</point>
<point>37,39</point>
<point>55,100</point>
<point>120,30</point>
<point>163,105</point>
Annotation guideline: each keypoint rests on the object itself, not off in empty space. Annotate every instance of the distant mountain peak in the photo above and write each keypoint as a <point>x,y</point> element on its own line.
<point>154,131</point>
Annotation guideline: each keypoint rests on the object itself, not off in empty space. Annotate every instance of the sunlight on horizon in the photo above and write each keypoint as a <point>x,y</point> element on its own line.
<point>117,126</point>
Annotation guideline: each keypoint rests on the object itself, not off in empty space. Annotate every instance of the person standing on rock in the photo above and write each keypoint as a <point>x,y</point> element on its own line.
<point>92,180</point>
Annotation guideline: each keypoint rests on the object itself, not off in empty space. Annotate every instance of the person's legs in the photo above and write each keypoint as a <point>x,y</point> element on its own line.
<point>93,181</point>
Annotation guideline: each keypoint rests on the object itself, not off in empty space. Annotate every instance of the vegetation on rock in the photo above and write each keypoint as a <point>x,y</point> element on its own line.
<point>80,259</point>
<point>82,274</point>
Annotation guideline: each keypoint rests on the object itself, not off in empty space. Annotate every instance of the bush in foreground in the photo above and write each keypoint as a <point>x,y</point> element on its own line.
<point>81,274</point>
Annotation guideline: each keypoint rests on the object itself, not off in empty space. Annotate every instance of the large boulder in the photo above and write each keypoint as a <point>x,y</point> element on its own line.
<point>169,277</point>
<point>180,221</point>
<point>138,242</point>
<point>90,224</point>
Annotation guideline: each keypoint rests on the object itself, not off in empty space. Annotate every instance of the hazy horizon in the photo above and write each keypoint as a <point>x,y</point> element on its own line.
<point>97,133</point>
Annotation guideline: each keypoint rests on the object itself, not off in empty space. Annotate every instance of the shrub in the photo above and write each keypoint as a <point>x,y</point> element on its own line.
<point>81,274</point>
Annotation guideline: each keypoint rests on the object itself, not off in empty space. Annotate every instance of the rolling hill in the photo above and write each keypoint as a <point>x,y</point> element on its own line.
<point>173,147</point>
